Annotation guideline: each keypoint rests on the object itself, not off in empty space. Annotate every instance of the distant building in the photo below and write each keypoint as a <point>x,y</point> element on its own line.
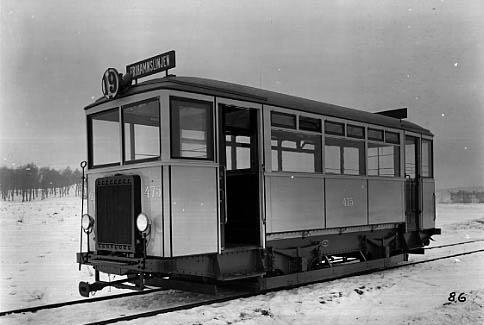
<point>467,197</point>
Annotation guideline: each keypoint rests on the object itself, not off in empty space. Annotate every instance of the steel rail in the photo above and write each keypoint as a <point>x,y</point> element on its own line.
<point>136,293</point>
<point>246,295</point>
<point>455,244</point>
<point>78,302</point>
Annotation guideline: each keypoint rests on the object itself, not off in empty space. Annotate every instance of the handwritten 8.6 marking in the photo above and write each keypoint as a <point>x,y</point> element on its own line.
<point>460,298</point>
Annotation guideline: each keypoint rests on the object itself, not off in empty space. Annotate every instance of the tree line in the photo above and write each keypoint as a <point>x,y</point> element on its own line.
<point>31,182</point>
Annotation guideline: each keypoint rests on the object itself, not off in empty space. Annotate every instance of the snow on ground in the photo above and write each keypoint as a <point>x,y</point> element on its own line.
<point>409,295</point>
<point>38,242</point>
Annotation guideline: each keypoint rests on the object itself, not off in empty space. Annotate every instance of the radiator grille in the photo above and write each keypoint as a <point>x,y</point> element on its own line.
<point>117,205</point>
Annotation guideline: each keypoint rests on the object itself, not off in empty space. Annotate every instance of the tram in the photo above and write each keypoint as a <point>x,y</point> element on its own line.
<point>193,182</point>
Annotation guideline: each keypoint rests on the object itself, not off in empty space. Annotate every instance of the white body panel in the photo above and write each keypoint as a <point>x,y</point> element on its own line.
<point>385,201</point>
<point>193,210</point>
<point>296,203</point>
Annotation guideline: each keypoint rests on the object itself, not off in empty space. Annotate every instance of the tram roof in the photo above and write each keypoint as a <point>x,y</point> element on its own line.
<point>256,95</point>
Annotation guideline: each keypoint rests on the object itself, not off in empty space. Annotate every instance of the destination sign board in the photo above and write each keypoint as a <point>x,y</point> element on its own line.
<point>155,64</point>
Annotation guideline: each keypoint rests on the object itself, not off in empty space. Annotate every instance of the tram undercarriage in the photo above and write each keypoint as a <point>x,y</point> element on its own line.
<point>286,263</point>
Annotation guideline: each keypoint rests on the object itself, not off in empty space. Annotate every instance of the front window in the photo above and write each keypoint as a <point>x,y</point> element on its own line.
<point>104,138</point>
<point>191,129</point>
<point>141,126</point>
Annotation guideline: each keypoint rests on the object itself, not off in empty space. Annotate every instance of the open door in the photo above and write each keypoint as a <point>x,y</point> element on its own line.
<point>412,197</point>
<point>239,176</point>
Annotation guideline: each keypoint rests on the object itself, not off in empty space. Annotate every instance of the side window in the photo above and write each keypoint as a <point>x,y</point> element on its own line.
<point>104,138</point>
<point>191,129</point>
<point>383,154</point>
<point>383,160</point>
<point>334,128</point>
<point>375,135</point>
<point>427,170</point>
<point>141,128</point>
<point>283,120</point>
<point>297,152</point>
<point>354,131</point>
<point>344,156</point>
<point>309,124</point>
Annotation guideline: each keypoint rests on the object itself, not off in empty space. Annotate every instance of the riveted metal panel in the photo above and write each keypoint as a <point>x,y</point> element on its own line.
<point>428,204</point>
<point>385,201</point>
<point>296,203</point>
<point>193,210</point>
<point>346,202</point>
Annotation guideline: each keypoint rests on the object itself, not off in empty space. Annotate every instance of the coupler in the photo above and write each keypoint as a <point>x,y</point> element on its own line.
<point>85,288</point>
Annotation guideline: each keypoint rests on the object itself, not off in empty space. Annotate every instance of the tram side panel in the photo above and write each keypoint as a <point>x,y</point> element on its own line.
<point>151,204</point>
<point>346,202</point>
<point>193,199</point>
<point>428,204</point>
<point>386,201</point>
<point>307,203</point>
<point>296,203</point>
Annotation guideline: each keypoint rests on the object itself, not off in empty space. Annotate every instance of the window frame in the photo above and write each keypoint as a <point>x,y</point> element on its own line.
<point>296,130</point>
<point>416,153</point>
<point>341,167</point>
<point>399,150</point>
<point>210,144</point>
<point>393,133</point>
<point>90,151</point>
<point>343,124</point>
<point>232,145</point>
<point>295,116</point>
<point>375,139</point>
<point>317,157</point>
<point>431,158</point>
<point>123,148</point>
<point>318,131</point>
<point>348,126</point>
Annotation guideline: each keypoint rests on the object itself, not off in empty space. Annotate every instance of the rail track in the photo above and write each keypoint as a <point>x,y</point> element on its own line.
<point>224,298</point>
<point>77,302</point>
<point>245,295</point>
<point>455,244</point>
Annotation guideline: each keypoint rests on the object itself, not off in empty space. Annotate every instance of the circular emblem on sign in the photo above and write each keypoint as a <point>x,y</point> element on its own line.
<point>325,243</point>
<point>110,83</point>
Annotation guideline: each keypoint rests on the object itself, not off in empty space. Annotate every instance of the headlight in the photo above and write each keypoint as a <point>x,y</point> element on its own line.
<point>87,222</point>
<point>142,222</point>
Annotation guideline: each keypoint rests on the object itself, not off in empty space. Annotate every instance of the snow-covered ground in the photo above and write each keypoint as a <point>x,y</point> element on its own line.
<point>38,242</point>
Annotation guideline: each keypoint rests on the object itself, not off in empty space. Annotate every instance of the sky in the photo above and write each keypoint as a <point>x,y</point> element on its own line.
<point>370,55</point>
